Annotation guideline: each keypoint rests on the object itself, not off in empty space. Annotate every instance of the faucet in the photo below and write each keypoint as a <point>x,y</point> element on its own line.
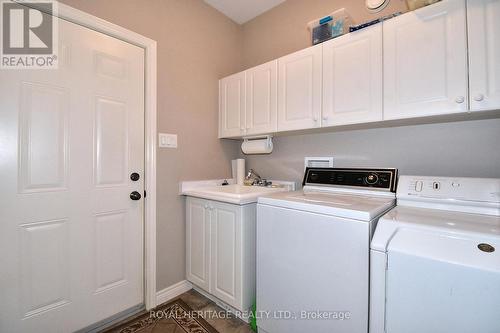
<point>253,178</point>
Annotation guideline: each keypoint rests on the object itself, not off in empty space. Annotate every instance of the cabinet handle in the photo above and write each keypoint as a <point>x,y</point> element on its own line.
<point>460,99</point>
<point>479,97</point>
<point>315,119</point>
<point>206,206</point>
<point>325,118</point>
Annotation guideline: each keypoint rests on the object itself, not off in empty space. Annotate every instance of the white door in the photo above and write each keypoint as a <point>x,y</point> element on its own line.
<point>71,238</point>
<point>232,105</point>
<point>299,89</point>
<point>198,242</point>
<point>425,61</point>
<point>352,78</point>
<point>261,99</point>
<point>484,54</point>
<point>226,253</point>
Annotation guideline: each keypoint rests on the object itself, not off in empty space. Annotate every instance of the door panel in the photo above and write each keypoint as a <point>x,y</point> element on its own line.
<point>43,132</point>
<point>69,139</point>
<point>232,105</point>
<point>484,54</point>
<point>299,89</point>
<point>425,68</point>
<point>261,98</point>
<point>110,141</point>
<point>226,253</point>
<point>198,242</point>
<point>45,273</point>
<point>352,78</point>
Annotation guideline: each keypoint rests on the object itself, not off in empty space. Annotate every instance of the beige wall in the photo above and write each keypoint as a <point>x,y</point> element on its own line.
<point>283,29</point>
<point>196,46</point>
<point>455,149</point>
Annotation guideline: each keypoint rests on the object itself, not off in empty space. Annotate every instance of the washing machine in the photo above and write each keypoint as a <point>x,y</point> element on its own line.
<point>313,250</point>
<point>435,258</point>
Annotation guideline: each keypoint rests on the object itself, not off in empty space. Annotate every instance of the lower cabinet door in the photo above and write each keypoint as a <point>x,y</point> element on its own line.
<point>226,253</point>
<point>198,242</point>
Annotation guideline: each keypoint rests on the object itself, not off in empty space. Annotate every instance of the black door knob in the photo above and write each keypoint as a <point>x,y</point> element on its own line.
<point>134,176</point>
<point>135,195</point>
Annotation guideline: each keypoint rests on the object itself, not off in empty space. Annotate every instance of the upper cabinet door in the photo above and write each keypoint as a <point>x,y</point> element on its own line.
<point>352,78</point>
<point>261,99</point>
<point>425,61</point>
<point>232,105</point>
<point>299,89</point>
<point>484,53</point>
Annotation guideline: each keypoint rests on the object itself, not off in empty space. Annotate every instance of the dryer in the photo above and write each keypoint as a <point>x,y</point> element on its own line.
<point>435,258</point>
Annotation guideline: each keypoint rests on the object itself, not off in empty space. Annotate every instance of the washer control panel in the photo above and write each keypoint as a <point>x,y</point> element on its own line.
<point>380,179</point>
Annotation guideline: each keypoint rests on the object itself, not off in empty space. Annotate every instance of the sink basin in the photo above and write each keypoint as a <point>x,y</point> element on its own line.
<point>236,194</point>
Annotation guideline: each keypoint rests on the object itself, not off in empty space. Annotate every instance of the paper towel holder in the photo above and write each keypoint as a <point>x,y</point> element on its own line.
<point>267,146</point>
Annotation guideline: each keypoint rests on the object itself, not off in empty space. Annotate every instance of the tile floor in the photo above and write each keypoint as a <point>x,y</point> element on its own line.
<point>224,325</point>
<point>197,302</point>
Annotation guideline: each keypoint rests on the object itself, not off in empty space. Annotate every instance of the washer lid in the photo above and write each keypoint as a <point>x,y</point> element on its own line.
<point>455,224</point>
<point>358,207</point>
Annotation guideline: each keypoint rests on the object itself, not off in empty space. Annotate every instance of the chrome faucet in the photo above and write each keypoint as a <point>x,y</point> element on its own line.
<point>254,178</point>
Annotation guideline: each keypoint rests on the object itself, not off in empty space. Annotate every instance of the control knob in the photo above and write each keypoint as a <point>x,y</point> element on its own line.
<point>372,178</point>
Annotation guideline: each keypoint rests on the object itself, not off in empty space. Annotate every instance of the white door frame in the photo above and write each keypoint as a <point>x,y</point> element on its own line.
<point>92,22</point>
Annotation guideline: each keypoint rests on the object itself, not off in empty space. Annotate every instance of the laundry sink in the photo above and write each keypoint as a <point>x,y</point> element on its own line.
<point>236,194</point>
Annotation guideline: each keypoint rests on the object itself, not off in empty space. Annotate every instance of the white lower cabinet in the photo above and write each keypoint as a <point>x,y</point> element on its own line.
<point>220,254</point>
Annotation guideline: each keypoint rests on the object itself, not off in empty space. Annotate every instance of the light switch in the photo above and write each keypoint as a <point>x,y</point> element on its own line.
<point>167,140</point>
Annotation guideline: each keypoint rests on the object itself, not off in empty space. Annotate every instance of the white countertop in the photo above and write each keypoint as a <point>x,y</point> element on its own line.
<point>232,193</point>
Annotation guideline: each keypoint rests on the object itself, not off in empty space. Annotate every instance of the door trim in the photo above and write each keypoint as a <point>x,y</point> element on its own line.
<point>149,45</point>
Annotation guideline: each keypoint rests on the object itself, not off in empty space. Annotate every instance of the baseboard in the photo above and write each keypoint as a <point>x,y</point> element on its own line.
<point>173,291</point>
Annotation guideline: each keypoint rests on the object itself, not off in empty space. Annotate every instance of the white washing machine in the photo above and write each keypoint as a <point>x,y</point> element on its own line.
<point>313,251</point>
<point>435,258</point>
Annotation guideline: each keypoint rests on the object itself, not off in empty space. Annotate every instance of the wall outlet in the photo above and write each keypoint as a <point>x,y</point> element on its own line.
<point>167,140</point>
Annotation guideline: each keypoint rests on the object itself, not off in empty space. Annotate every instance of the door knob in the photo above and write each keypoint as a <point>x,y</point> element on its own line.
<point>135,195</point>
<point>134,176</point>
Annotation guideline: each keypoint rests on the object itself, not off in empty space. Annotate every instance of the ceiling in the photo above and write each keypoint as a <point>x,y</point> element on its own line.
<point>242,11</point>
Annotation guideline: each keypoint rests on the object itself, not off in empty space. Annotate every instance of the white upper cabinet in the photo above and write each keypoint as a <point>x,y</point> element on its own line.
<point>425,61</point>
<point>299,89</point>
<point>232,105</point>
<point>352,78</point>
<point>484,53</point>
<point>261,99</point>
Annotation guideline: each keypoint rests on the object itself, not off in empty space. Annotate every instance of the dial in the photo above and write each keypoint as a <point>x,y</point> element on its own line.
<point>372,178</point>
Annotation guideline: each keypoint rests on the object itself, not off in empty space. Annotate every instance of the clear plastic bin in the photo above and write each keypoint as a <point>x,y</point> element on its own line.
<point>330,26</point>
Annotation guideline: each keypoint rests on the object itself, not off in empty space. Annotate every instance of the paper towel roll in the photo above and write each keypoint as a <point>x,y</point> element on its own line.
<point>240,171</point>
<point>257,146</point>
<point>234,170</point>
